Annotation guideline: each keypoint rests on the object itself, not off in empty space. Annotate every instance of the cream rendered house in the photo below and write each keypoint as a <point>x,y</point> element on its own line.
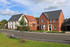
<point>14,21</point>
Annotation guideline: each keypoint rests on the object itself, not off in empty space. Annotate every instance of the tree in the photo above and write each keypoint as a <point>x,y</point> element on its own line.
<point>23,25</point>
<point>22,22</point>
<point>2,23</point>
<point>37,18</point>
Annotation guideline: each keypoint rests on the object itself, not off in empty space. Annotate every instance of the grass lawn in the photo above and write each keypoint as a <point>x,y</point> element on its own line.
<point>53,32</point>
<point>48,31</point>
<point>40,31</point>
<point>9,42</point>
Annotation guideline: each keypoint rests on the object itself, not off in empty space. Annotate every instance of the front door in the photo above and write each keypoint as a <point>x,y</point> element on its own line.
<point>50,27</point>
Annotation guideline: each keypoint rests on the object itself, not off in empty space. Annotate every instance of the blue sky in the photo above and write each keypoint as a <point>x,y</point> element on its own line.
<point>32,7</point>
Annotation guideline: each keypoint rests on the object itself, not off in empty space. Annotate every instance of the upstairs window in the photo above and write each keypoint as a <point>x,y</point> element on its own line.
<point>42,20</point>
<point>50,21</point>
<point>54,20</point>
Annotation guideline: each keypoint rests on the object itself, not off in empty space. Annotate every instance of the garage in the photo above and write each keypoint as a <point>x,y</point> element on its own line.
<point>67,28</point>
<point>67,25</point>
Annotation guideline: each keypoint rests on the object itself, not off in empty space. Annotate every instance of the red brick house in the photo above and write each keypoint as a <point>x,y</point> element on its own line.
<point>32,23</point>
<point>51,21</point>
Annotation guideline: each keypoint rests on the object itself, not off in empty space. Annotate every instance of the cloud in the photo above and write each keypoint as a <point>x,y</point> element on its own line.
<point>4,2</point>
<point>56,4</point>
<point>31,2</point>
<point>7,12</point>
<point>39,6</point>
<point>34,6</point>
<point>48,4</point>
<point>40,1</point>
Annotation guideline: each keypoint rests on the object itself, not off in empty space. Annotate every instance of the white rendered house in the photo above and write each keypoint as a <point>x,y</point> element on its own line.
<point>14,21</point>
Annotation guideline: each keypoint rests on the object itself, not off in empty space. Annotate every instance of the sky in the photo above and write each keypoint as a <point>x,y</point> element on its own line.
<point>32,7</point>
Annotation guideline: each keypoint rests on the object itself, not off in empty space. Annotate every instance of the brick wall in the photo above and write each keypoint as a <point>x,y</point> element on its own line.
<point>32,25</point>
<point>55,23</point>
<point>61,20</point>
<point>45,22</point>
<point>33,28</point>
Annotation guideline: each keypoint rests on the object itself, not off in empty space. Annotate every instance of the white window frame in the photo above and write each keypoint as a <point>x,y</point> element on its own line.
<point>42,20</point>
<point>42,26</point>
<point>11,25</point>
<point>54,27</point>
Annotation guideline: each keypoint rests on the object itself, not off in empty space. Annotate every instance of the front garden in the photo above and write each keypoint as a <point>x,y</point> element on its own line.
<point>10,42</point>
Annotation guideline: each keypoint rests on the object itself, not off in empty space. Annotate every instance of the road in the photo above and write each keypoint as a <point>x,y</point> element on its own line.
<point>45,37</point>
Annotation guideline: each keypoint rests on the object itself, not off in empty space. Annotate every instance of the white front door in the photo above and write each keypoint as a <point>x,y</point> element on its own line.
<point>50,27</point>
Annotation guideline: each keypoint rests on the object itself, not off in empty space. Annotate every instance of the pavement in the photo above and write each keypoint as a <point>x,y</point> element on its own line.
<point>37,36</point>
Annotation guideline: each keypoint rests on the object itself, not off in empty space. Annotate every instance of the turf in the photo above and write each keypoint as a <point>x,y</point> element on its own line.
<point>9,42</point>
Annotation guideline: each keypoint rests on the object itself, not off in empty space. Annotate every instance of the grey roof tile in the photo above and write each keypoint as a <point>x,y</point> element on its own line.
<point>15,17</point>
<point>52,14</point>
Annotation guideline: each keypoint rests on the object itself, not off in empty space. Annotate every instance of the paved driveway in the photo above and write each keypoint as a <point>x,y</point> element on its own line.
<point>45,37</point>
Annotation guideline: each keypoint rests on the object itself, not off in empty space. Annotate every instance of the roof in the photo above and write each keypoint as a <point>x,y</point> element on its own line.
<point>52,14</point>
<point>15,17</point>
<point>30,18</point>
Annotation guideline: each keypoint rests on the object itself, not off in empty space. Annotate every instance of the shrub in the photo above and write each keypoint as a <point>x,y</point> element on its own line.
<point>18,28</point>
<point>53,32</point>
<point>23,28</point>
<point>26,28</point>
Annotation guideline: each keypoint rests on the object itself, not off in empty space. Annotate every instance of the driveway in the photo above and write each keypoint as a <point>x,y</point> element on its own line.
<point>45,37</point>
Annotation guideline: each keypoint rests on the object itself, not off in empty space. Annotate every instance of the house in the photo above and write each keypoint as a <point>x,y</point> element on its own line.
<point>51,21</point>
<point>32,23</point>
<point>14,21</point>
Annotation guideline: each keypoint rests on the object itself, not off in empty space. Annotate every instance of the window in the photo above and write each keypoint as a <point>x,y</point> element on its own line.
<point>54,20</point>
<point>15,24</point>
<point>50,21</point>
<point>42,26</point>
<point>42,20</point>
<point>54,27</point>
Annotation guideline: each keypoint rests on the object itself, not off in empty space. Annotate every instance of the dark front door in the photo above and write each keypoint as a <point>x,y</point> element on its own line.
<point>50,27</point>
